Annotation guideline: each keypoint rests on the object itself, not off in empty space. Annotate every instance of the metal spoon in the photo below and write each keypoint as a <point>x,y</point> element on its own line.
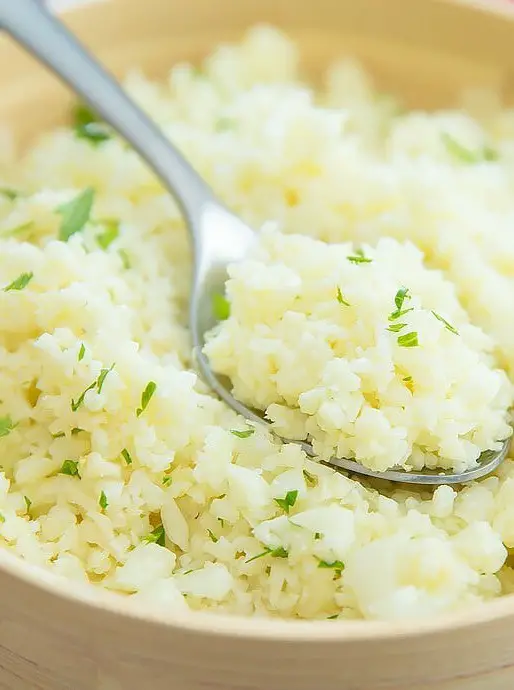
<point>218,236</point>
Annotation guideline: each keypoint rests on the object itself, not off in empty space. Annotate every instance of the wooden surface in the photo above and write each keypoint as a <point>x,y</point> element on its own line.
<point>57,638</point>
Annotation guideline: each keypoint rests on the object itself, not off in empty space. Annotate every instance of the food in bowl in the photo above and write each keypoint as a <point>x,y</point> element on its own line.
<point>122,470</point>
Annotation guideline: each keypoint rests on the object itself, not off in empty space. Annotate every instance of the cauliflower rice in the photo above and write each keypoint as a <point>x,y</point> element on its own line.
<point>120,469</point>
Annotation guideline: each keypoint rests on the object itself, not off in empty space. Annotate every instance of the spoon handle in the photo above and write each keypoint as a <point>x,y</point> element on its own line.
<point>34,27</point>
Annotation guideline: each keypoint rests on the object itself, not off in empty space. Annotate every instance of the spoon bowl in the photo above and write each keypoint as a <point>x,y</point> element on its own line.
<point>219,237</point>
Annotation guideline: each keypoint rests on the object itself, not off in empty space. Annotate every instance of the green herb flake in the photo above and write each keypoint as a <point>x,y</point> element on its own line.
<point>102,501</point>
<point>310,479</point>
<point>75,214</point>
<point>359,258</point>
<point>338,566</point>
<point>399,313</point>
<point>125,260</point>
<point>20,282</point>
<point>84,115</point>
<point>94,132</point>
<point>146,396</point>
<point>82,352</point>
<point>395,327</point>
<point>212,536</point>
<point>400,297</point>
<point>288,501</point>
<point>59,434</point>
<point>407,379</point>
<point>341,299</point>
<point>243,434</point>
<point>465,155</point>
<point>279,552</point>
<point>102,376</point>
<point>76,430</point>
<point>259,555</point>
<point>9,193</point>
<point>157,536</point>
<point>318,536</point>
<point>166,480</point>
<point>110,233</point>
<point>75,404</point>
<point>447,325</point>
<point>332,617</point>
<point>408,339</point>
<point>126,456</point>
<point>221,521</point>
<point>28,502</point>
<point>220,307</point>
<point>70,467</point>
<point>6,426</point>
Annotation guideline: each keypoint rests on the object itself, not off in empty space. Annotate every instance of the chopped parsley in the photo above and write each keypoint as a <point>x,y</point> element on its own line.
<point>279,552</point>
<point>157,536</point>
<point>97,383</point>
<point>400,297</point>
<point>59,434</point>
<point>332,617</point>
<point>318,536</point>
<point>166,480</point>
<point>212,536</point>
<point>6,426</point>
<point>125,260</point>
<point>20,282</point>
<point>338,566</point>
<point>110,233</point>
<point>84,115</point>
<point>126,456</point>
<point>395,327</point>
<point>288,501</point>
<point>341,299</point>
<point>76,430</point>
<point>399,300</point>
<point>465,155</point>
<point>94,132</point>
<point>146,396</point>
<point>310,479</point>
<point>399,313</point>
<point>221,521</point>
<point>407,379</point>
<point>70,467</point>
<point>102,501</point>
<point>88,125</point>
<point>220,306</point>
<point>243,434</point>
<point>75,214</point>
<point>82,352</point>
<point>408,339</point>
<point>75,404</point>
<point>28,502</point>
<point>9,193</point>
<point>359,258</point>
<point>447,325</point>
<point>102,376</point>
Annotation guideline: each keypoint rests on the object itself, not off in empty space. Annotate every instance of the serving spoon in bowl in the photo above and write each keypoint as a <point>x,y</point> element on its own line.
<point>219,237</point>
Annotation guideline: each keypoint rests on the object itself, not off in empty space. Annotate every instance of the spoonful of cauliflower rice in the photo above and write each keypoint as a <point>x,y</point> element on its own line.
<point>362,353</point>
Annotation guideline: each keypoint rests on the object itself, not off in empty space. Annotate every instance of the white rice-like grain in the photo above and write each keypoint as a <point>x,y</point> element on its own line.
<point>167,506</point>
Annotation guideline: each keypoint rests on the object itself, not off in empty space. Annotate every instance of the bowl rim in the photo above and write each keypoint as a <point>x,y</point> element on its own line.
<point>111,605</point>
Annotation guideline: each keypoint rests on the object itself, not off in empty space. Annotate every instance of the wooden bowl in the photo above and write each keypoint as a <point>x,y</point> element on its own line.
<point>57,638</point>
